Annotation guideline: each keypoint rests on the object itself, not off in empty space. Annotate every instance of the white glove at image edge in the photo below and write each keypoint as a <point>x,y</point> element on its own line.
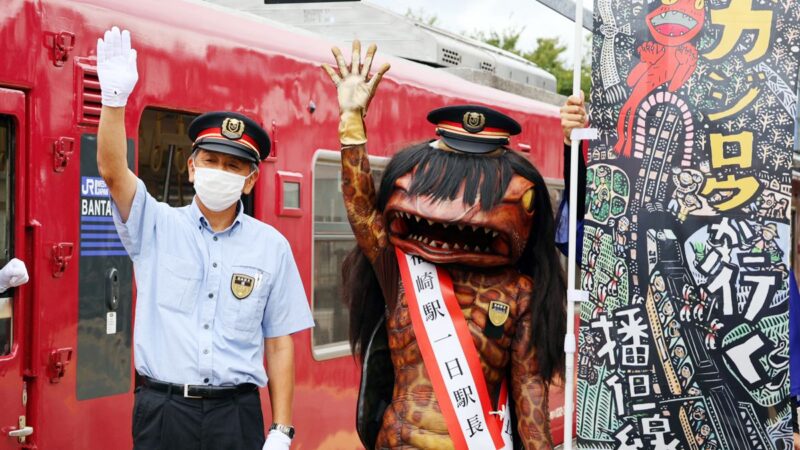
<point>13,274</point>
<point>277,441</point>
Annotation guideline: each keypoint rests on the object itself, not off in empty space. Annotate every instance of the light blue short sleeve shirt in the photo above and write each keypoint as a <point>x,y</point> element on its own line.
<point>206,300</point>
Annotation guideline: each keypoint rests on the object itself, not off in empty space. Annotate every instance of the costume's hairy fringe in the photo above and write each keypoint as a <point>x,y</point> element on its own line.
<point>441,174</point>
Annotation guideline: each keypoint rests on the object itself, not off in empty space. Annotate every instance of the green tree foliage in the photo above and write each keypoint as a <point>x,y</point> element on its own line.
<point>506,39</point>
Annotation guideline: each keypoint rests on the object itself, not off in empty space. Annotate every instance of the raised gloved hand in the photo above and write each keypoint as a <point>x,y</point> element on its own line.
<point>13,274</point>
<point>116,67</point>
<point>277,441</point>
<point>355,90</point>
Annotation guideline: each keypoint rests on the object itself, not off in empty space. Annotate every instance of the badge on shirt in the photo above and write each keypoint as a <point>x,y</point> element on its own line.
<point>242,285</point>
<point>498,314</point>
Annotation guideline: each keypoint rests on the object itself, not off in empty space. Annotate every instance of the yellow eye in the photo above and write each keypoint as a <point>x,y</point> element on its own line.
<point>669,2</point>
<point>527,200</point>
<point>699,4</point>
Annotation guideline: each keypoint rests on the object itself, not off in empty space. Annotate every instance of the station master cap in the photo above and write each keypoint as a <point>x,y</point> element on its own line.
<point>472,128</point>
<point>231,133</point>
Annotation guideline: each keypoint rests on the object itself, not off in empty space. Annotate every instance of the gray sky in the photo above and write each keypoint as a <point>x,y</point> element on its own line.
<point>461,16</point>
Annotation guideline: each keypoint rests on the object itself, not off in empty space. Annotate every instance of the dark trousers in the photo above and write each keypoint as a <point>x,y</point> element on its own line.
<point>168,421</point>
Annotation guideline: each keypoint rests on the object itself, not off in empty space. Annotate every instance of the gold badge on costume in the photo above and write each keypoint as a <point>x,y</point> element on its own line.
<point>242,285</point>
<point>232,128</point>
<point>498,314</point>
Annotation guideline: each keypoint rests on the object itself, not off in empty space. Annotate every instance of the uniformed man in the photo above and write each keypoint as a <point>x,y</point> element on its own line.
<point>215,287</point>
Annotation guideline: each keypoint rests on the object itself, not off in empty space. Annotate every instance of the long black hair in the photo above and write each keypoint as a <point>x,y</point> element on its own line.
<point>440,175</point>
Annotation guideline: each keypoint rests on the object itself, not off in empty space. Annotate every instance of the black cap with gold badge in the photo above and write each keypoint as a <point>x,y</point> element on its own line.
<point>473,128</point>
<point>231,133</point>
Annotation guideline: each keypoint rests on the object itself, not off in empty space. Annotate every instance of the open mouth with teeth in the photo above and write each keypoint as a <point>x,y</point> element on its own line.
<point>673,23</point>
<point>442,241</point>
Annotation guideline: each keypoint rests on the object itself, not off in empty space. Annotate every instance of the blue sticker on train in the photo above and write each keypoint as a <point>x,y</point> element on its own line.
<point>98,234</point>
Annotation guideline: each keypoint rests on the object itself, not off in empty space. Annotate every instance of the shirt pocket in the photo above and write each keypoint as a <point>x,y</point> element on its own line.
<point>245,300</point>
<point>180,283</point>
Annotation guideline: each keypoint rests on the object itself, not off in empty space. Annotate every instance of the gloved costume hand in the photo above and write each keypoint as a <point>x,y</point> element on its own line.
<point>13,274</point>
<point>355,90</point>
<point>116,67</point>
<point>277,441</point>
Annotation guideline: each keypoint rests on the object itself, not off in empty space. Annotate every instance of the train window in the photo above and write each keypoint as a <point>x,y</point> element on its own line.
<point>291,194</point>
<point>164,148</point>
<point>6,305</point>
<point>333,240</point>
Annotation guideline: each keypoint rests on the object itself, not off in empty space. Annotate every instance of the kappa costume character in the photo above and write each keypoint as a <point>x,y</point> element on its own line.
<point>217,290</point>
<point>456,295</point>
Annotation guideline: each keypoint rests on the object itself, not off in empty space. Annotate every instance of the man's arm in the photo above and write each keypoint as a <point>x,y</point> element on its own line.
<point>116,69</point>
<point>280,370</point>
<point>112,161</point>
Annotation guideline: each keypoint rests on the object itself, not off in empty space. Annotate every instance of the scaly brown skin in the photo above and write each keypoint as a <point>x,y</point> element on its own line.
<point>414,419</point>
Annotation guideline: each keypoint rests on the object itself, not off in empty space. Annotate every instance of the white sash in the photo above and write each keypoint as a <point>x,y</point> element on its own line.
<point>451,359</point>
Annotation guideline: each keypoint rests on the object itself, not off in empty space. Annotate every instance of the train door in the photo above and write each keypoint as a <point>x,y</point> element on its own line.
<point>13,326</point>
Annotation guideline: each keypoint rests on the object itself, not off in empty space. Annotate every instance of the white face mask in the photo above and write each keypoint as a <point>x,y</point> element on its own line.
<point>217,189</point>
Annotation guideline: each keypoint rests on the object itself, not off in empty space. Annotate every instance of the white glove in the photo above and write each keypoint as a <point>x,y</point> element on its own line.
<point>116,67</point>
<point>13,274</point>
<point>277,441</point>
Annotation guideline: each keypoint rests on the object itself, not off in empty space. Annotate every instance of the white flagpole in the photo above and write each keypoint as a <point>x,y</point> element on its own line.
<point>572,294</point>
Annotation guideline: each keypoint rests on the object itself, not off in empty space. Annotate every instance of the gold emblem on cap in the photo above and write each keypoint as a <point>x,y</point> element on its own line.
<point>242,285</point>
<point>498,313</point>
<point>232,128</point>
<point>474,122</point>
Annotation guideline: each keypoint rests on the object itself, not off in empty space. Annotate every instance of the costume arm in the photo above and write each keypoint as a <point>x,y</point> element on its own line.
<point>358,190</point>
<point>355,90</point>
<point>528,389</point>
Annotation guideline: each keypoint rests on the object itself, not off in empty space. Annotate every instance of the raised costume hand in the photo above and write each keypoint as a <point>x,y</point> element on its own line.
<point>277,441</point>
<point>355,89</point>
<point>13,274</point>
<point>116,67</point>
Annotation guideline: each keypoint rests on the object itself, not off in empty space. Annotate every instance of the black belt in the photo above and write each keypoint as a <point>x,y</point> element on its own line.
<point>199,391</point>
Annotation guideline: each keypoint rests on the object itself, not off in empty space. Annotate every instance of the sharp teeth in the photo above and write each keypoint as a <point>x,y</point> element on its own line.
<point>456,247</point>
<point>460,227</point>
<point>433,244</point>
<point>445,246</point>
<point>417,218</point>
<point>474,228</point>
<point>425,240</point>
<point>476,249</point>
<point>495,233</point>
<point>487,231</point>
<point>430,222</point>
<point>446,226</point>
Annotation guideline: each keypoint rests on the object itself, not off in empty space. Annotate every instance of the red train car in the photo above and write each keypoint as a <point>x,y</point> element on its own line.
<point>66,375</point>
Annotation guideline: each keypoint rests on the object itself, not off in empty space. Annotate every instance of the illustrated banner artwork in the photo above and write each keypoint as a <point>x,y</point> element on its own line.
<point>684,341</point>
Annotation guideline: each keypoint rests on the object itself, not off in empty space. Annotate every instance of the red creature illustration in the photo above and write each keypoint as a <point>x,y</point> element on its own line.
<point>669,57</point>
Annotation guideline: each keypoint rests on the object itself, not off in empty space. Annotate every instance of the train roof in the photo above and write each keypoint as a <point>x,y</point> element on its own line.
<point>269,36</point>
